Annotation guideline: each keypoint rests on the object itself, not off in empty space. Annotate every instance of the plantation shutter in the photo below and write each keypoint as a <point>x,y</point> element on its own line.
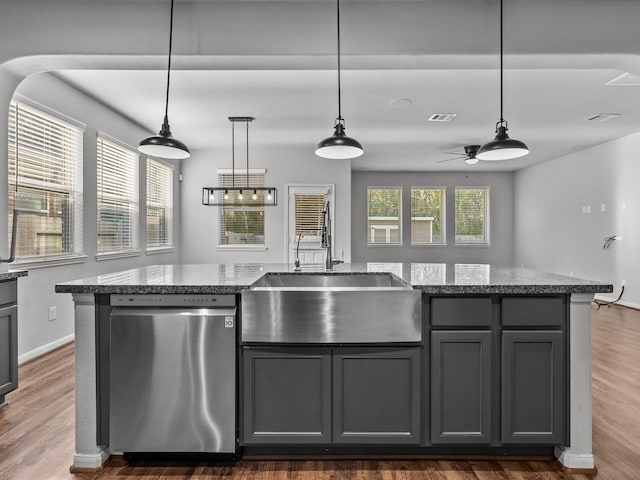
<point>117,197</point>
<point>472,215</point>
<point>308,211</point>
<point>49,182</point>
<point>159,204</point>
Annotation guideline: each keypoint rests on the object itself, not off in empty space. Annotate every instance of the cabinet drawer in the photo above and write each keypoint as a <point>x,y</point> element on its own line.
<point>461,311</point>
<point>8,292</point>
<point>533,311</point>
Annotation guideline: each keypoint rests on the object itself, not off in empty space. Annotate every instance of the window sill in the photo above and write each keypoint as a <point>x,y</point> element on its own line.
<point>429,245</point>
<point>115,255</point>
<point>46,262</point>
<point>473,245</point>
<point>159,250</point>
<point>242,248</point>
<point>385,245</point>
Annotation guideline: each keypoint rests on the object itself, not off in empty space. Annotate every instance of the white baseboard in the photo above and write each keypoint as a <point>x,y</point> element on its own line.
<point>574,460</point>
<point>93,460</point>
<point>25,357</point>
<point>624,303</point>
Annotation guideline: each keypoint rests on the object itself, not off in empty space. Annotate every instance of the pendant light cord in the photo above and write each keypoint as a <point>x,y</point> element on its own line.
<point>166,105</point>
<point>247,176</point>
<point>339,89</point>
<point>501,67</point>
<point>233,154</point>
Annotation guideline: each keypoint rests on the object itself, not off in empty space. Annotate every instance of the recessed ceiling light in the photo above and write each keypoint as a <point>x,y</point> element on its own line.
<point>442,117</point>
<point>602,117</point>
<point>400,102</point>
<point>625,79</point>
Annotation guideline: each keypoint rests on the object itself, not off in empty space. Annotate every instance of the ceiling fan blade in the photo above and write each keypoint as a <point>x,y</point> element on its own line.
<point>454,153</point>
<point>449,159</point>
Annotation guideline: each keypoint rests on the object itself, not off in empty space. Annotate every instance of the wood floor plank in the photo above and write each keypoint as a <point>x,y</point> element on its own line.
<point>37,429</point>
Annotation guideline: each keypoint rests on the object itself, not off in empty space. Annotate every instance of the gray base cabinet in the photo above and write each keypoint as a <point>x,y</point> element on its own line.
<point>533,387</point>
<point>376,395</point>
<point>315,395</point>
<point>461,387</point>
<point>8,339</point>
<point>287,395</point>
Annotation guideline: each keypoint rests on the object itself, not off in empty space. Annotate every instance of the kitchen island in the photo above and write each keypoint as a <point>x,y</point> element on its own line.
<point>484,330</point>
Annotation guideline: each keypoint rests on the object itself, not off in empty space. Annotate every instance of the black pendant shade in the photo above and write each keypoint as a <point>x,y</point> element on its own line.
<point>339,146</point>
<point>502,147</point>
<point>164,145</point>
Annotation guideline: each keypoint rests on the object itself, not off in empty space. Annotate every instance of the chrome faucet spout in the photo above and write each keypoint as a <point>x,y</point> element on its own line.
<point>297,260</point>
<point>326,235</point>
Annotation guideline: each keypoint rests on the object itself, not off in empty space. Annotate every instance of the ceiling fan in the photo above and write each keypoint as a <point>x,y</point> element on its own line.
<point>469,155</point>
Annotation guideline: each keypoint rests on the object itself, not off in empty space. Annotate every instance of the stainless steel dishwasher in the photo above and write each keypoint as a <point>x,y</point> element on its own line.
<point>173,374</point>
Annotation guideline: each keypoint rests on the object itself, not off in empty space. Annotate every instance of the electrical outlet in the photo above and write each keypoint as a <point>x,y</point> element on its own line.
<point>52,313</point>
<point>623,283</point>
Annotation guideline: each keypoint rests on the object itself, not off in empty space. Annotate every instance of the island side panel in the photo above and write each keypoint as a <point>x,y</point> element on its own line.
<point>579,454</point>
<point>88,454</point>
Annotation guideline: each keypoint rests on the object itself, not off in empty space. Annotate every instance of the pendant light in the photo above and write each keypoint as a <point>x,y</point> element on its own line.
<point>236,196</point>
<point>164,145</point>
<point>502,147</point>
<point>339,146</point>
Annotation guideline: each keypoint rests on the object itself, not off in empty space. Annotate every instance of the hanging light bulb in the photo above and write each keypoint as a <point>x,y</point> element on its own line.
<point>339,146</point>
<point>255,195</point>
<point>269,196</point>
<point>240,197</point>
<point>226,194</point>
<point>164,145</point>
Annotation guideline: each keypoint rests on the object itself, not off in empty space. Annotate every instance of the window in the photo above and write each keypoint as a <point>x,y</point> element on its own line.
<point>241,225</point>
<point>472,215</point>
<point>159,204</point>
<point>308,215</point>
<point>117,197</point>
<point>427,216</point>
<point>47,187</point>
<point>384,212</point>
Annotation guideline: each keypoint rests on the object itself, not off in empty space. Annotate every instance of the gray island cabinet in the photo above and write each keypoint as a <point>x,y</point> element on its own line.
<point>8,332</point>
<point>498,363</point>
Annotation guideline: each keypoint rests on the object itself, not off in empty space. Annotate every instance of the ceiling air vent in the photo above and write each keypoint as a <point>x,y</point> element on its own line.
<point>602,117</point>
<point>625,79</point>
<point>442,117</point>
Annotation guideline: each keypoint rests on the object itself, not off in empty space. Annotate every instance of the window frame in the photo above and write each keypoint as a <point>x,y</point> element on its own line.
<point>400,241</point>
<point>168,205</point>
<point>134,249</point>
<point>487,224</point>
<point>443,216</point>
<point>240,183</point>
<point>74,190</point>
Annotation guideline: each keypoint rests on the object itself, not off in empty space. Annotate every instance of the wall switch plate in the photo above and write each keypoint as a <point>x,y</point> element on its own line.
<point>52,313</point>
<point>603,207</point>
<point>623,283</point>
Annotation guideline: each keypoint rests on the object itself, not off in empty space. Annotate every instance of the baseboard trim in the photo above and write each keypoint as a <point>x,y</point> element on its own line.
<point>575,461</point>
<point>44,349</point>
<point>88,463</point>
<point>624,303</point>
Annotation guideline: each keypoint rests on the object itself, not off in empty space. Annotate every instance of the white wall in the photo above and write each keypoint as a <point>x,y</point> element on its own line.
<point>501,218</point>
<point>36,291</point>
<point>553,234</point>
<point>284,165</point>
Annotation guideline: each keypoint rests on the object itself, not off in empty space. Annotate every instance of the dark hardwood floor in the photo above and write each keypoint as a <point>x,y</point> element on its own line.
<point>37,434</point>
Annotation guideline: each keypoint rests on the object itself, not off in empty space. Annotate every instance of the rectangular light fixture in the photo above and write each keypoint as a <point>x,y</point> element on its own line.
<point>240,196</point>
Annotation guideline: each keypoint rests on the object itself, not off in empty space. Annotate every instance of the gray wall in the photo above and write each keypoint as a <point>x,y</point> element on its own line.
<point>553,234</point>
<point>501,213</point>
<point>36,294</point>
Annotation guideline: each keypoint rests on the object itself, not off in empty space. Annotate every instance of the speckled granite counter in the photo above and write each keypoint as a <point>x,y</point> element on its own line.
<point>8,276</point>
<point>432,278</point>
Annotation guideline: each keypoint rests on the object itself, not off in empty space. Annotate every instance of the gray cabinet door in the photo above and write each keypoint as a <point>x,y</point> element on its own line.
<point>376,395</point>
<point>460,387</point>
<point>287,395</point>
<point>533,387</point>
<point>8,350</point>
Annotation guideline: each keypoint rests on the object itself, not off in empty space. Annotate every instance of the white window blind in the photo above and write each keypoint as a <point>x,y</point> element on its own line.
<point>308,213</point>
<point>241,225</point>
<point>48,183</point>
<point>472,215</point>
<point>117,197</point>
<point>159,204</point>
<point>427,216</point>
<point>384,216</point>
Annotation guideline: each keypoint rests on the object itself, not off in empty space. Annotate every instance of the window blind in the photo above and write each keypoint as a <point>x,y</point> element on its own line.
<point>117,192</point>
<point>241,225</point>
<point>308,213</point>
<point>159,204</point>
<point>472,215</point>
<point>384,222</point>
<point>48,183</point>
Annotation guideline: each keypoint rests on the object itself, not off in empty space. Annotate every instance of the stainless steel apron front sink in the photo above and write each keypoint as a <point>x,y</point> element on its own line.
<point>319,308</point>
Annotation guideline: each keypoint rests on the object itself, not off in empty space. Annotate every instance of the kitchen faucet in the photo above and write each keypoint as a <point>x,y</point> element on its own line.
<point>297,261</point>
<point>326,237</point>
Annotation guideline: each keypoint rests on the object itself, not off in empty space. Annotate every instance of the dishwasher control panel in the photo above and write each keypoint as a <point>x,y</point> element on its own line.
<point>173,300</point>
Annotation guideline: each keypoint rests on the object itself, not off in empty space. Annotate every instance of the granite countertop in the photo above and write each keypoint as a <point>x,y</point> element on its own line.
<point>432,278</point>
<point>8,276</point>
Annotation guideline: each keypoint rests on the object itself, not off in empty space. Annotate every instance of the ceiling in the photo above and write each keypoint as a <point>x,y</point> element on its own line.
<point>547,99</point>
